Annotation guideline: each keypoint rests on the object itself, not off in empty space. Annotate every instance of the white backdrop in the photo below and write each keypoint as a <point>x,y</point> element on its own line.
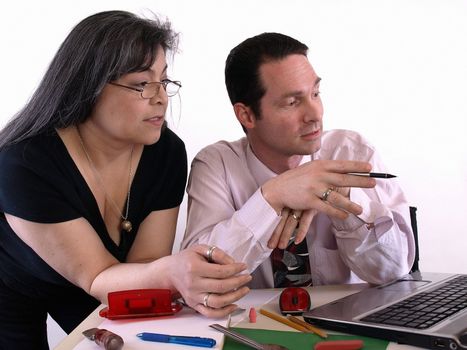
<point>395,71</point>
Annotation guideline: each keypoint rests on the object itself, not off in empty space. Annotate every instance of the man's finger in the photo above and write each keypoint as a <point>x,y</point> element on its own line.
<point>289,228</point>
<point>345,180</point>
<point>339,201</point>
<point>348,166</point>
<point>304,225</point>
<point>274,239</point>
<point>328,209</point>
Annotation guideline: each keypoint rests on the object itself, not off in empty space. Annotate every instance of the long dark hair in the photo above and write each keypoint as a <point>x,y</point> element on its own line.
<point>99,49</point>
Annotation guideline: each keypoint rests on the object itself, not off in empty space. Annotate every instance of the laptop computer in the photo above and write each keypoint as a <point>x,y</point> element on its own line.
<point>428,310</point>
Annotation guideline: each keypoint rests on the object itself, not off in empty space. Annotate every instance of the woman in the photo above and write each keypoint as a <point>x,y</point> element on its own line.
<point>91,181</point>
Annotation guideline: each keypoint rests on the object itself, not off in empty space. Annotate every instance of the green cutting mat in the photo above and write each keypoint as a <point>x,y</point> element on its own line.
<point>295,340</point>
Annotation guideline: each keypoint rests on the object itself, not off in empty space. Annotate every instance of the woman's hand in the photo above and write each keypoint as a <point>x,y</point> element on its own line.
<point>211,288</point>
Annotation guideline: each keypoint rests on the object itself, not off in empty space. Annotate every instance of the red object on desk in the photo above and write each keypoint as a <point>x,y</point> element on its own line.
<point>252,315</point>
<point>104,338</point>
<point>294,301</point>
<point>339,345</point>
<point>140,303</point>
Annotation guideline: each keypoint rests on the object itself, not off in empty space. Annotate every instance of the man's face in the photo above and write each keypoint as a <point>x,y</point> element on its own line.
<point>291,109</point>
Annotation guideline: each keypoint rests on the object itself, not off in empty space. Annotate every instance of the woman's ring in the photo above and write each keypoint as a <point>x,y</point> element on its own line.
<point>209,253</point>
<point>205,299</point>
<point>326,194</point>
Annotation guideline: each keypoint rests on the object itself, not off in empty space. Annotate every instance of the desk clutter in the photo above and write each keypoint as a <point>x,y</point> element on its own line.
<point>304,341</point>
<point>136,319</point>
<point>185,323</point>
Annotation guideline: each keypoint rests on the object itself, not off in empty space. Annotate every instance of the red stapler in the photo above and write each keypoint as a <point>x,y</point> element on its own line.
<point>140,303</point>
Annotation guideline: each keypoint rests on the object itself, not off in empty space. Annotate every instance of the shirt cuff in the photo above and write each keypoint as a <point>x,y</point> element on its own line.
<point>352,223</point>
<point>372,213</point>
<point>260,218</point>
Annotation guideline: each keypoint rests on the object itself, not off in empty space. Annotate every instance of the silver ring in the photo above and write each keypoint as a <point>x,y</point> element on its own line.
<point>209,253</point>
<point>296,217</point>
<point>326,194</point>
<point>205,299</point>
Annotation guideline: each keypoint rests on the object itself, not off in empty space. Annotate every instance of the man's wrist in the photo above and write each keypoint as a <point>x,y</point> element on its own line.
<point>269,198</point>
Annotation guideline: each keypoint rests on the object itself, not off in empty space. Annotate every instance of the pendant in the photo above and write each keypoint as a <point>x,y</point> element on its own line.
<point>126,225</point>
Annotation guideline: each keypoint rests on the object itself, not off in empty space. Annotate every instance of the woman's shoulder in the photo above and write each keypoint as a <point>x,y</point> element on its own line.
<point>35,150</point>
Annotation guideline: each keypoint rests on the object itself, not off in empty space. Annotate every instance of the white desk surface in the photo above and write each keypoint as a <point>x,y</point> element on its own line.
<point>265,298</point>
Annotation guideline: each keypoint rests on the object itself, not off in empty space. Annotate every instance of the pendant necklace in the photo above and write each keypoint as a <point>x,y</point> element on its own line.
<point>125,224</point>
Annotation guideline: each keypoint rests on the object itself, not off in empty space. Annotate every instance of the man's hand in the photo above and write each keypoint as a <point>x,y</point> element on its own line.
<point>317,186</point>
<point>305,187</point>
<point>292,221</point>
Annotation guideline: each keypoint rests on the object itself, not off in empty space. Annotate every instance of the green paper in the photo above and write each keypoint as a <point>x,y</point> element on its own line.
<point>295,340</point>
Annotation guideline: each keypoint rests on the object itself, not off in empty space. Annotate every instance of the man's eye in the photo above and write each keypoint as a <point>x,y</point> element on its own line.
<point>316,94</point>
<point>292,102</point>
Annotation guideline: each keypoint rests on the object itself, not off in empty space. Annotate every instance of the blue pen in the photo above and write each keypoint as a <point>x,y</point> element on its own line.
<point>178,339</point>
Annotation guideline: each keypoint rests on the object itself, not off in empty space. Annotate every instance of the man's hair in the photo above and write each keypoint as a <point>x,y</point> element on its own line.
<point>242,66</point>
<point>99,49</point>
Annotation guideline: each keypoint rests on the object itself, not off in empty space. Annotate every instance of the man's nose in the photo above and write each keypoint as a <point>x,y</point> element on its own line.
<point>313,111</point>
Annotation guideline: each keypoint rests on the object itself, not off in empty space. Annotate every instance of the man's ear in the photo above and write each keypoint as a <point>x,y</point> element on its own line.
<point>244,115</point>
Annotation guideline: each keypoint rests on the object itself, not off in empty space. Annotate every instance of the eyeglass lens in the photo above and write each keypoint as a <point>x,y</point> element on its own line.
<point>152,89</point>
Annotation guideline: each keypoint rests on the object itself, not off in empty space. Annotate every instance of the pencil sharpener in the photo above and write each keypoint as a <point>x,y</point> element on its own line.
<point>294,301</point>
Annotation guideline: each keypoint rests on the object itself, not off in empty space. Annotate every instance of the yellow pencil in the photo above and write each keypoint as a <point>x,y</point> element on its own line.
<point>308,326</point>
<point>283,320</point>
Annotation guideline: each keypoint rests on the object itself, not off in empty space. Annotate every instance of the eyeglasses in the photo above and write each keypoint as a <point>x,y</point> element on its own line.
<point>151,89</point>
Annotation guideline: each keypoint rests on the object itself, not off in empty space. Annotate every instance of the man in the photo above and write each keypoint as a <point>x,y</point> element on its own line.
<point>248,196</point>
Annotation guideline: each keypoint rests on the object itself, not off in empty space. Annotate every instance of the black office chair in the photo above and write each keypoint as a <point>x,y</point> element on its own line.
<point>413,222</point>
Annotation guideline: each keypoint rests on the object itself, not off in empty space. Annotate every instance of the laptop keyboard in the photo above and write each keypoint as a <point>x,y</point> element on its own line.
<point>425,309</point>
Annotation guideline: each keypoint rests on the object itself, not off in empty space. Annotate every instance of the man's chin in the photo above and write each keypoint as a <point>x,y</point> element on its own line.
<point>312,148</point>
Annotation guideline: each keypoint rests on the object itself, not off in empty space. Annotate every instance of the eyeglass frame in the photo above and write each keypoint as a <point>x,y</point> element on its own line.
<point>162,83</point>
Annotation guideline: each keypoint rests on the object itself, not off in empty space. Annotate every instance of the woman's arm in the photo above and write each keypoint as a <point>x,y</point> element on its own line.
<point>155,237</point>
<point>75,251</point>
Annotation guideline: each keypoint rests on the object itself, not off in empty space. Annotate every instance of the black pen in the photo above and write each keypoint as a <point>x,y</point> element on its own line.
<point>377,175</point>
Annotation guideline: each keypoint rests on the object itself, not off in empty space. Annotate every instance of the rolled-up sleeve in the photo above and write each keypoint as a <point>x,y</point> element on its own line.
<point>378,245</point>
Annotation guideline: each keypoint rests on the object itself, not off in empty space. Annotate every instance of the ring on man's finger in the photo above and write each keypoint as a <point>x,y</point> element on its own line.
<point>209,253</point>
<point>326,194</point>
<point>296,216</point>
<point>205,299</point>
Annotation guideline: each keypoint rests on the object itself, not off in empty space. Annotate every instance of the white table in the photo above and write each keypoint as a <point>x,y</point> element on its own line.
<point>267,298</point>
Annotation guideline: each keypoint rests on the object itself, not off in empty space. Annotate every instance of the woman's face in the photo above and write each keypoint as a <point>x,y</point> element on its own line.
<point>123,114</point>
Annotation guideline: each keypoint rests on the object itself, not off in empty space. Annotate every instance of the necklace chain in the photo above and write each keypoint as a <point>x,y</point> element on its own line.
<point>125,224</point>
